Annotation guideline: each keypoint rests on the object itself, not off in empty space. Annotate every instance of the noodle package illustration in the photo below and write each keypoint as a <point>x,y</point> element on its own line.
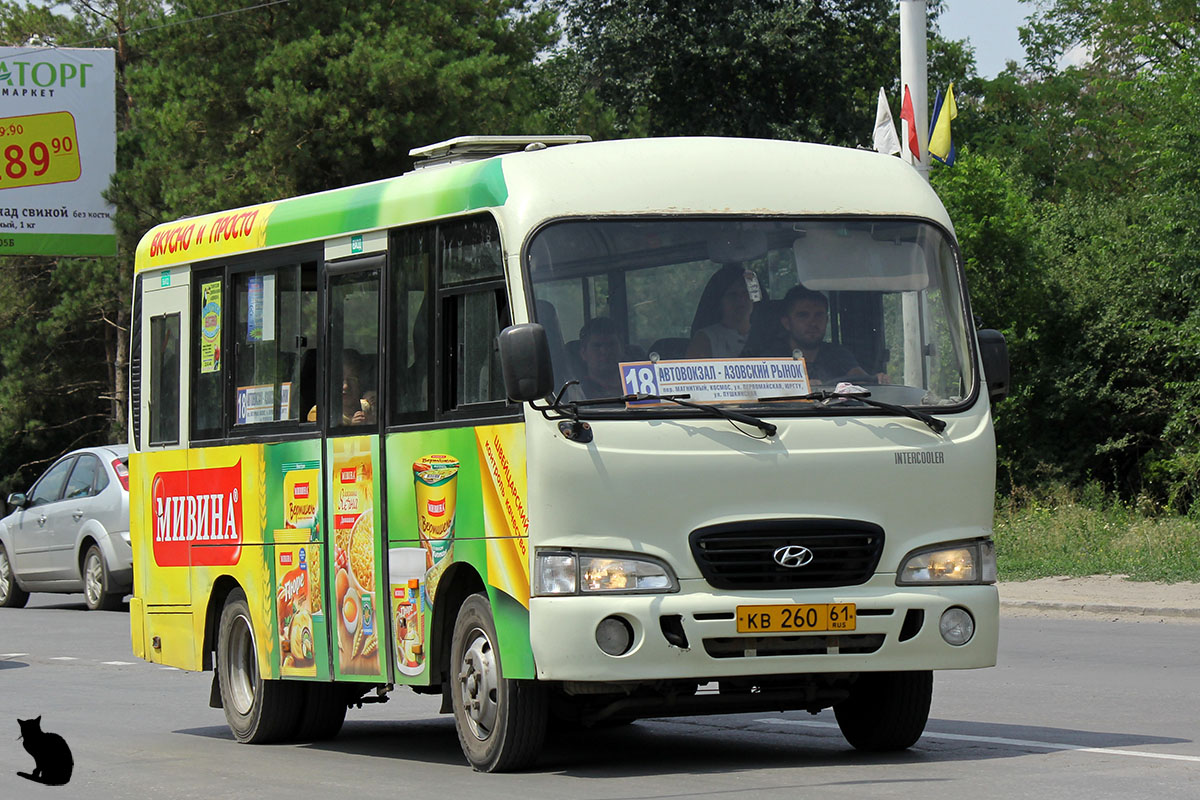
<point>436,481</point>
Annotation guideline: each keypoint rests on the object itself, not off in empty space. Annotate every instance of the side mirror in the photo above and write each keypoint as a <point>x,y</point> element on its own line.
<point>525,362</point>
<point>17,500</point>
<point>994,351</point>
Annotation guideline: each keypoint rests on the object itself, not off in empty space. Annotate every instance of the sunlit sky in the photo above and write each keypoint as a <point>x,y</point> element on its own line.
<point>991,26</point>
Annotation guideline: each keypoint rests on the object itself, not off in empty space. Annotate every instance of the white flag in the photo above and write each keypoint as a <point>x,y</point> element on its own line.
<point>886,140</point>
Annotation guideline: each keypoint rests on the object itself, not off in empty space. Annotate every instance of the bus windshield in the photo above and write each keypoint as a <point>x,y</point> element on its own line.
<point>727,310</point>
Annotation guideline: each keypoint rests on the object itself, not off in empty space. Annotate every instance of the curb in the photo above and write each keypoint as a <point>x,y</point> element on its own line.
<point>1101,608</point>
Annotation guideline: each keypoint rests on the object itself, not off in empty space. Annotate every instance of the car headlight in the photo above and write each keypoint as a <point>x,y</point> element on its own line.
<point>959,562</point>
<point>561,573</point>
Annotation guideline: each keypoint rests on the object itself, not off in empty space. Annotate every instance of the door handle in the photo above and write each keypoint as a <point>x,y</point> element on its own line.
<point>42,519</point>
<point>75,515</point>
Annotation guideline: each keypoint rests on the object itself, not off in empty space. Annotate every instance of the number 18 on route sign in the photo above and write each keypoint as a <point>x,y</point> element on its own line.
<point>723,380</point>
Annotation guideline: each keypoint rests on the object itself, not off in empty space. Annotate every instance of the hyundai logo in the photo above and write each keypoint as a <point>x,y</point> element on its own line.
<point>793,556</point>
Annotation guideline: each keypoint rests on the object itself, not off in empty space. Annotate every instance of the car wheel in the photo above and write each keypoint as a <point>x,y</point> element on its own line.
<point>258,711</point>
<point>501,722</point>
<point>886,710</point>
<point>11,595</point>
<point>96,583</point>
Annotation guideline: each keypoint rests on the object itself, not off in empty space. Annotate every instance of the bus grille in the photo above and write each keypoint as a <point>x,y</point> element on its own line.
<point>754,646</point>
<point>743,555</point>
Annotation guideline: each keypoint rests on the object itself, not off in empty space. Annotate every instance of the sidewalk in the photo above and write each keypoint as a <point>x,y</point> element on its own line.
<point>1108,595</point>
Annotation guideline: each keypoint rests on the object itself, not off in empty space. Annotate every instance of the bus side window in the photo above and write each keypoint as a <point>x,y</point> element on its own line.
<point>474,309</point>
<point>208,317</point>
<point>411,324</point>
<point>353,327</point>
<point>164,379</point>
<point>275,324</point>
<point>474,321</point>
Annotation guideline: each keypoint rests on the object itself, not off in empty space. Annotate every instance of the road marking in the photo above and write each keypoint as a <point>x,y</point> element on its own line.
<point>962,737</point>
<point>173,669</point>
<point>117,663</point>
<point>12,655</point>
<point>63,658</point>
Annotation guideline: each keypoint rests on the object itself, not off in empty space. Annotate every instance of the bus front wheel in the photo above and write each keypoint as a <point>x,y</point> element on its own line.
<point>501,722</point>
<point>257,710</point>
<point>886,710</point>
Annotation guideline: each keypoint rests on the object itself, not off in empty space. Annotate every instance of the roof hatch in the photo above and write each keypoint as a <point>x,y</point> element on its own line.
<point>474,148</point>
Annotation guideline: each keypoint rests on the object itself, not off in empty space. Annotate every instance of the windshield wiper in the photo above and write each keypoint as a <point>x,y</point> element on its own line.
<point>824,395</point>
<point>682,399</point>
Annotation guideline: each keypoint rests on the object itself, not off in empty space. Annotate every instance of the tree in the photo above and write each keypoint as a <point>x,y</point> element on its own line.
<point>785,69</point>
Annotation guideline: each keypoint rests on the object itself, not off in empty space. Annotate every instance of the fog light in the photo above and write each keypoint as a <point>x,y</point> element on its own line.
<point>614,636</point>
<point>957,626</point>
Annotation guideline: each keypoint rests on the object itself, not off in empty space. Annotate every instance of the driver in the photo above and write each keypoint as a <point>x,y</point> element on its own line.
<point>805,317</point>
<point>601,350</point>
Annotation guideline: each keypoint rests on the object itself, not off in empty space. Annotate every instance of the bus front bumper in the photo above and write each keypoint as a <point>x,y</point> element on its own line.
<point>896,629</point>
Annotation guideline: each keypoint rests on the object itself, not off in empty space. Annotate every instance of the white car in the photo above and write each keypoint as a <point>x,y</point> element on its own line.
<point>70,532</point>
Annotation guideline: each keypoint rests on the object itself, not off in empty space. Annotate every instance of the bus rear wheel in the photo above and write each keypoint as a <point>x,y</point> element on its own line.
<point>886,710</point>
<point>501,722</point>
<point>324,712</point>
<point>258,711</point>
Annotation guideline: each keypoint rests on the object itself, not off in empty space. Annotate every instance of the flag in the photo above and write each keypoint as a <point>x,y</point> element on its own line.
<point>941,144</point>
<point>907,115</point>
<point>886,140</point>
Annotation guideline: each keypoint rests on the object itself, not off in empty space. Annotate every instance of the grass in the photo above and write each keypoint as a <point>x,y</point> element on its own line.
<point>1061,531</point>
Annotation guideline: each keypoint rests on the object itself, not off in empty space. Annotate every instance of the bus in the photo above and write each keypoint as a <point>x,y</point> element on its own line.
<point>568,432</point>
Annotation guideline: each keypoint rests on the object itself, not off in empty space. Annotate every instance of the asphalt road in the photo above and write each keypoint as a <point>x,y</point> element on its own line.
<point>1076,708</point>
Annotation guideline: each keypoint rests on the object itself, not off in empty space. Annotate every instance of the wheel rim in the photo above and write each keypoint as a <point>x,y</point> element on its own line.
<point>243,665</point>
<point>478,684</point>
<point>93,579</point>
<point>5,577</point>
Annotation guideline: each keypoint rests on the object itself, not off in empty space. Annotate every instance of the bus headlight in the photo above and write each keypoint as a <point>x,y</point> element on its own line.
<point>960,562</point>
<point>560,573</point>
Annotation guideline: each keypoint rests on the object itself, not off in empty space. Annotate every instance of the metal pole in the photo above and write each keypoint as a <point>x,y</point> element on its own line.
<point>913,74</point>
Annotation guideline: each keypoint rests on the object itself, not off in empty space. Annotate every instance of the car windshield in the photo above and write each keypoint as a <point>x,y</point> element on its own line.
<point>744,311</point>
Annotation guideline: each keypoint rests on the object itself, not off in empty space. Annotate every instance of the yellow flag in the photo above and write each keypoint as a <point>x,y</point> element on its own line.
<point>941,145</point>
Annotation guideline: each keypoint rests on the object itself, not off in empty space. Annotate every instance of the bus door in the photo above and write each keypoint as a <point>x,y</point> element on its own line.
<point>162,435</point>
<point>350,416</point>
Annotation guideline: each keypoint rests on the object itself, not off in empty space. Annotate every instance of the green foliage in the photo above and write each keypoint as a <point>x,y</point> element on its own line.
<point>784,69</point>
<point>271,103</point>
<point>1079,532</point>
<point>1095,286</point>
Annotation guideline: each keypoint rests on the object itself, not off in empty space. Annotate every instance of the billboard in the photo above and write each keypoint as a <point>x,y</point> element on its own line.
<point>58,149</point>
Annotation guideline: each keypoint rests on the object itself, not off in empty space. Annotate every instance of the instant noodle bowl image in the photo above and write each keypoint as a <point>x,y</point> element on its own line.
<point>436,482</point>
<point>406,572</point>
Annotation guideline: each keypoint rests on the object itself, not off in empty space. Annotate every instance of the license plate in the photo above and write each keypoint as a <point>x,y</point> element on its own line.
<point>796,618</point>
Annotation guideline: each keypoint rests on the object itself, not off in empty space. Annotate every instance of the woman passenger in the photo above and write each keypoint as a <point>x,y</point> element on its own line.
<point>722,319</point>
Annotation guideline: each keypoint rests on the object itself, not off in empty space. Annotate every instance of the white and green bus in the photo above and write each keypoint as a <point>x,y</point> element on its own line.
<point>593,431</point>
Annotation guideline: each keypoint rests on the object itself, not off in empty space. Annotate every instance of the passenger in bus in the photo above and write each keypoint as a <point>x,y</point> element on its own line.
<point>722,320</point>
<point>358,406</point>
<point>805,315</point>
<point>601,350</point>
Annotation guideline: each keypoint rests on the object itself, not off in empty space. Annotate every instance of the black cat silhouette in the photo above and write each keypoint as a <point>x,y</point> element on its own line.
<point>51,756</point>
